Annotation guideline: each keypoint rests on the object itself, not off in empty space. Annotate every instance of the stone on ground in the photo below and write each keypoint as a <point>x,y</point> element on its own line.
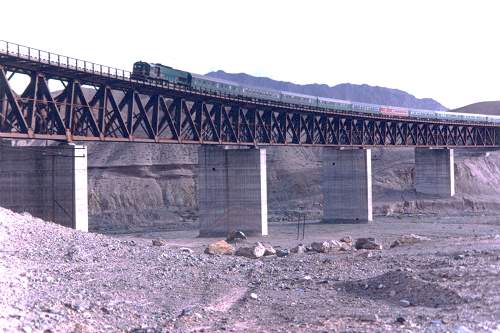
<point>368,243</point>
<point>336,245</point>
<point>158,242</point>
<point>347,240</point>
<point>321,247</point>
<point>254,251</point>
<point>186,250</point>
<point>299,249</point>
<point>220,247</point>
<point>409,240</point>
<point>282,253</point>
<point>404,303</point>
<point>270,251</point>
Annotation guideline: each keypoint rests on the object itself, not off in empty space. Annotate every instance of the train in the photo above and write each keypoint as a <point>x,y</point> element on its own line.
<point>158,73</point>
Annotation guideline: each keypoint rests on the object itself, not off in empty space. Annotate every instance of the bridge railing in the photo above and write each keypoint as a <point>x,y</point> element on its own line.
<point>59,60</point>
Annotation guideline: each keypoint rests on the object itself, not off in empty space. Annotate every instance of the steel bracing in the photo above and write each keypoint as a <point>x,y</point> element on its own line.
<point>100,103</point>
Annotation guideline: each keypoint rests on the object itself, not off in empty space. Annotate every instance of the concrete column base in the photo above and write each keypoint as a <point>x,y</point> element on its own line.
<point>232,191</point>
<point>347,185</point>
<point>49,182</point>
<point>435,172</point>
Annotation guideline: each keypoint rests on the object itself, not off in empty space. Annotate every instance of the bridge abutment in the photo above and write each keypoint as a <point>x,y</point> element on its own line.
<point>232,190</point>
<point>347,185</point>
<point>49,182</point>
<point>435,172</point>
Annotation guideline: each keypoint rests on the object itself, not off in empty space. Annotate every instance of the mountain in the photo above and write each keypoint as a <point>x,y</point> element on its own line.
<point>353,92</point>
<point>490,107</point>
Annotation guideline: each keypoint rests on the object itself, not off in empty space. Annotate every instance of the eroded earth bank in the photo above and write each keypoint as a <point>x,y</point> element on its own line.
<point>137,187</point>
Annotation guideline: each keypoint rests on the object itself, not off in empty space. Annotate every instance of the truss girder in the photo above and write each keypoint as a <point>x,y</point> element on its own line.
<point>107,113</point>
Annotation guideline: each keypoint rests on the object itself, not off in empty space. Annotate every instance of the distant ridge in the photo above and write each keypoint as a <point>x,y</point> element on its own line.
<point>489,107</point>
<point>353,92</point>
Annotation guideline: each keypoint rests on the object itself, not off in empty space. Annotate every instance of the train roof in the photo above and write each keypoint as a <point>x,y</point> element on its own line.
<point>296,94</point>
<point>333,100</point>
<point>199,76</point>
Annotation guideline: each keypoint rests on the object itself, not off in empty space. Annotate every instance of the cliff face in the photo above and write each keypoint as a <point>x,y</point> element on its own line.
<point>141,186</point>
<point>153,187</point>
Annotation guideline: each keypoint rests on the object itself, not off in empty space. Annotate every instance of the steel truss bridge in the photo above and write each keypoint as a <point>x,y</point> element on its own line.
<point>117,108</point>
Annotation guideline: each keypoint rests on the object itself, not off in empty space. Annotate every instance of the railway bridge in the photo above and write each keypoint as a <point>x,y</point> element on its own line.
<point>101,103</point>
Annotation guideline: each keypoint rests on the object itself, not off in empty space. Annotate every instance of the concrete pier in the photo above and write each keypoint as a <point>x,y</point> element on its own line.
<point>232,191</point>
<point>49,182</point>
<point>435,172</point>
<point>347,185</point>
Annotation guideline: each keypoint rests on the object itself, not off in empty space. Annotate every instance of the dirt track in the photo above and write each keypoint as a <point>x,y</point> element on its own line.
<point>59,280</point>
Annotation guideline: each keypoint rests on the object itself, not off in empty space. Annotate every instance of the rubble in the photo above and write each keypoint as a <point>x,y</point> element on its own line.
<point>57,279</point>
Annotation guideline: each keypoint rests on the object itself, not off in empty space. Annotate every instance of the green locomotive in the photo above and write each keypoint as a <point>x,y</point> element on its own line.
<point>158,72</point>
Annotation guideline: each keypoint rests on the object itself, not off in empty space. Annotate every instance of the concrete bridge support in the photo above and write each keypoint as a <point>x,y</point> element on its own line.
<point>232,190</point>
<point>49,182</point>
<point>435,171</point>
<point>347,185</point>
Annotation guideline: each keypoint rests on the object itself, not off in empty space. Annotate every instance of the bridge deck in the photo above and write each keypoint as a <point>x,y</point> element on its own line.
<point>122,109</point>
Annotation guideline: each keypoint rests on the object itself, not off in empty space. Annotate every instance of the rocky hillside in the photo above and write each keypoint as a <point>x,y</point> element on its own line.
<point>346,91</point>
<point>490,107</point>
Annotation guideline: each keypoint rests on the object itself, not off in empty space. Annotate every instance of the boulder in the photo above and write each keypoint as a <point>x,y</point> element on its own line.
<point>347,240</point>
<point>299,249</point>
<point>321,247</point>
<point>254,251</point>
<point>220,247</point>
<point>404,303</point>
<point>270,251</point>
<point>346,247</point>
<point>282,253</point>
<point>158,242</point>
<point>186,250</point>
<point>408,240</point>
<point>336,245</point>
<point>368,243</point>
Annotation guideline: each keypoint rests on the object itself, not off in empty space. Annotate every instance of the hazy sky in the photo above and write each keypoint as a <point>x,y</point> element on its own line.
<point>446,50</point>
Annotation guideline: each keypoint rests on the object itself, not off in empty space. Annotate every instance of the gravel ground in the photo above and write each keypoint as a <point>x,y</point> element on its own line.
<point>54,279</point>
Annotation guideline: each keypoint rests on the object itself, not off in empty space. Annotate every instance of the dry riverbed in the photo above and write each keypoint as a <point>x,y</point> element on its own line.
<point>54,279</point>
